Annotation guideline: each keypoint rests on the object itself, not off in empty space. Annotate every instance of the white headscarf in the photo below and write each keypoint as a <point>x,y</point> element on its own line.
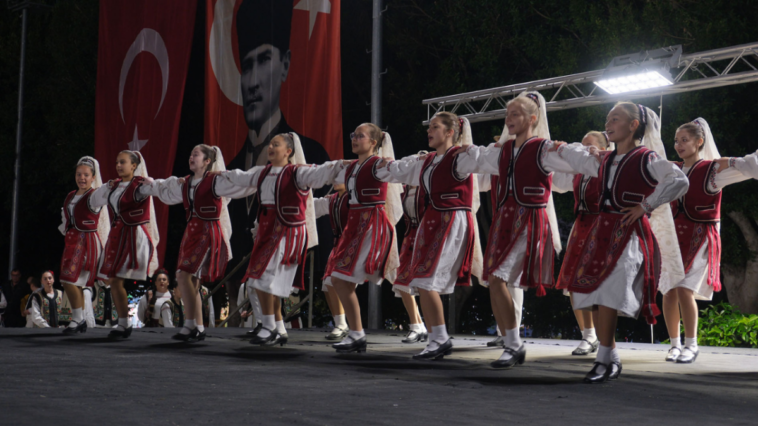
<point>310,211</point>
<point>104,223</point>
<point>709,152</point>
<point>543,131</point>
<point>477,263</point>
<point>662,219</point>
<point>394,207</point>
<point>224,221</point>
<point>152,226</point>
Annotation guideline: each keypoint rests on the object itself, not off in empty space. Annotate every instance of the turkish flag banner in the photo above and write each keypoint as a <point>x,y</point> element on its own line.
<point>273,66</point>
<point>143,55</point>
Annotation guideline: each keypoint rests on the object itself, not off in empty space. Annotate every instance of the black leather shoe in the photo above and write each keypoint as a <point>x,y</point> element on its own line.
<point>351,346</point>
<point>192,336</point>
<point>254,332</point>
<point>119,334</point>
<point>615,371</point>
<point>265,341</point>
<point>594,377</point>
<point>80,328</point>
<point>517,357</point>
<point>415,337</point>
<point>591,350</point>
<point>688,356</point>
<point>199,336</point>
<point>497,342</point>
<point>439,353</point>
<point>281,340</point>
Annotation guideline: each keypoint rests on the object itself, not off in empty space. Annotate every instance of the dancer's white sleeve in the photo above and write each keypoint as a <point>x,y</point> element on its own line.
<point>485,182</point>
<point>321,207</point>
<point>747,165</point>
<point>672,183</point>
<point>316,176</point>
<point>405,170</point>
<point>99,197</point>
<point>245,179</point>
<point>37,316</point>
<point>169,190</point>
<point>563,182</point>
<point>732,175</point>
<point>570,158</point>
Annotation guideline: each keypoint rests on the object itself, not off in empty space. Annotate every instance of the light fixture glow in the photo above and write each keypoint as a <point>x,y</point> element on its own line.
<point>631,83</point>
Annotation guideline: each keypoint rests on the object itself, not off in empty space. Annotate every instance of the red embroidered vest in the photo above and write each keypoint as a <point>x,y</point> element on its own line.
<point>368,189</point>
<point>447,191</point>
<point>587,194</point>
<point>206,204</point>
<point>131,211</point>
<point>419,204</point>
<point>339,204</point>
<point>290,200</point>
<point>531,183</point>
<point>636,185</point>
<point>699,204</point>
<point>84,220</point>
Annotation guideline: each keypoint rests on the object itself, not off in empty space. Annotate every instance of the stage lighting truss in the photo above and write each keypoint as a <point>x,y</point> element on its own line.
<point>676,73</point>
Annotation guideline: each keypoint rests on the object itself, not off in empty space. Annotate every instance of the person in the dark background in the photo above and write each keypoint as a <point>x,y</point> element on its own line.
<point>263,36</point>
<point>14,291</point>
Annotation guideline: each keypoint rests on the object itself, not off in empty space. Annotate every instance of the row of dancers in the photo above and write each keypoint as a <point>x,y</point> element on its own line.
<point>643,224</point>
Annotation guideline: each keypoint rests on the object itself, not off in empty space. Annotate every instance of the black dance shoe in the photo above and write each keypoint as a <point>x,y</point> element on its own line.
<point>192,336</point>
<point>615,371</point>
<point>517,357</point>
<point>270,340</point>
<point>497,342</point>
<point>116,334</point>
<point>80,328</point>
<point>337,334</point>
<point>281,340</point>
<point>688,356</point>
<point>415,337</point>
<point>254,332</point>
<point>595,377</point>
<point>439,353</point>
<point>591,350</point>
<point>351,345</point>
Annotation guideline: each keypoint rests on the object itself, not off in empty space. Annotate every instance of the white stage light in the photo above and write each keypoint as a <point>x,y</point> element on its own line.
<point>641,80</point>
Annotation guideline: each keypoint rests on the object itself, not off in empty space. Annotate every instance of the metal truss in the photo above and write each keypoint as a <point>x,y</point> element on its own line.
<point>695,71</point>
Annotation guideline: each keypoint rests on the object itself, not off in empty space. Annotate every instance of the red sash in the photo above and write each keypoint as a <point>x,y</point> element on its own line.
<point>406,256</point>
<point>203,237</point>
<point>359,221</point>
<point>122,243</point>
<point>692,235</point>
<point>81,253</point>
<point>432,234</point>
<point>579,235</point>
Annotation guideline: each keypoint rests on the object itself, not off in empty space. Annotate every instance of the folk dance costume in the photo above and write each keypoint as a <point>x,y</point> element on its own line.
<point>623,264</point>
<point>205,250</point>
<point>697,217</point>
<point>157,311</point>
<point>446,241</point>
<point>85,227</point>
<point>286,227</point>
<point>747,165</point>
<point>48,309</point>
<point>103,307</point>
<point>336,206</point>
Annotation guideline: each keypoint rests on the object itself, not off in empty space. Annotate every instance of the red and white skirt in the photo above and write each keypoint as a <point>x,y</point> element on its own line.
<point>277,261</point>
<point>520,247</point>
<point>579,235</point>
<point>700,245</point>
<point>406,261</point>
<point>81,258</point>
<point>444,251</point>
<point>619,267</point>
<point>364,246</point>
<point>203,252</point>
<point>127,253</point>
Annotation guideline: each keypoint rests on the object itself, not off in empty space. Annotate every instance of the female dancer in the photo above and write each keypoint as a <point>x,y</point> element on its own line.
<point>367,249</point>
<point>696,216</point>
<point>287,227</point>
<point>414,206</point>
<point>336,206</point>
<point>619,272</point>
<point>524,231</point>
<point>130,250</point>
<point>155,308</point>
<point>205,250</point>
<point>444,250</point>
<point>586,208</point>
<point>85,227</point>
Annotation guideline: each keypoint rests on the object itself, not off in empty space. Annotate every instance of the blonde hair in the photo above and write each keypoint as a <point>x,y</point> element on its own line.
<point>375,133</point>
<point>529,105</point>
<point>451,122</point>
<point>634,112</point>
<point>600,136</point>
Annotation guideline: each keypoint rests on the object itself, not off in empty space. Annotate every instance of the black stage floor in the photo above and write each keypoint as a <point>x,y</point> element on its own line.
<point>46,378</point>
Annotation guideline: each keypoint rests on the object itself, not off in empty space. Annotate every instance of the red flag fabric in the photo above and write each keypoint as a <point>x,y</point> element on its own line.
<point>309,97</point>
<point>143,55</point>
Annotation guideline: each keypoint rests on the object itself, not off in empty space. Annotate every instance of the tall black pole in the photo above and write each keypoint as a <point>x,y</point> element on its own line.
<point>375,291</point>
<point>19,132</point>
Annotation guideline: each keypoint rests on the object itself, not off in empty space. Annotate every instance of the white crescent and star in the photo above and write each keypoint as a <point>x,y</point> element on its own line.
<point>220,44</point>
<point>148,40</point>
